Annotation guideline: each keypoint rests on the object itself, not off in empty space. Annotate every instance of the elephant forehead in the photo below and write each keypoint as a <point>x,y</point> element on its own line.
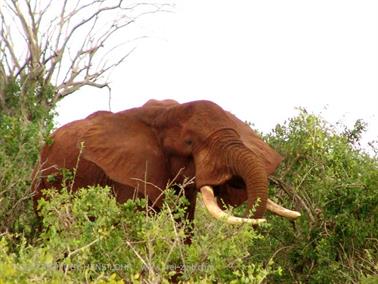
<point>208,118</point>
<point>207,109</point>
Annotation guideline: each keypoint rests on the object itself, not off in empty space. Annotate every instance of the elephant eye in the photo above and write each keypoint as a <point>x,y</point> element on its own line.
<point>188,142</point>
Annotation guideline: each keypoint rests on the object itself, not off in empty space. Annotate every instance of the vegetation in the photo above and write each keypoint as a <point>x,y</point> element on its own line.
<point>88,237</point>
<point>335,185</point>
<point>23,126</point>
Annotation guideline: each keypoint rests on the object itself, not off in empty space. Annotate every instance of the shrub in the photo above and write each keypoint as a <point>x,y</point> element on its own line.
<point>23,127</point>
<point>334,183</point>
<point>89,237</point>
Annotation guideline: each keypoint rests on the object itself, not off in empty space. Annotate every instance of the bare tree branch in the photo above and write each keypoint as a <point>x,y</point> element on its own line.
<point>67,45</point>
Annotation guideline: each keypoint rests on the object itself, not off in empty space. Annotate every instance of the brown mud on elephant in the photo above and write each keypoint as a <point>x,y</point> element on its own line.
<point>138,151</point>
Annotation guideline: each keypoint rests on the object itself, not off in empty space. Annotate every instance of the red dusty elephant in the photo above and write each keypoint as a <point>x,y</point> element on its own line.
<point>138,151</point>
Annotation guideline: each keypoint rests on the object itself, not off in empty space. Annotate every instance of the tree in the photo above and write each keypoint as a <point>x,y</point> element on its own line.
<point>50,49</point>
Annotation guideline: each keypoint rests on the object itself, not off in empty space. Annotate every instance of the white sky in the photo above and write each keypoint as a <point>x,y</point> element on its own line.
<point>257,59</point>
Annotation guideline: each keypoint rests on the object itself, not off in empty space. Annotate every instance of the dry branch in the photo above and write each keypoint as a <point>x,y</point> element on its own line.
<point>67,45</point>
<point>293,195</point>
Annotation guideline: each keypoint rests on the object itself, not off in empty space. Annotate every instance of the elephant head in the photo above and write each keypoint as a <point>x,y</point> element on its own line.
<point>138,151</point>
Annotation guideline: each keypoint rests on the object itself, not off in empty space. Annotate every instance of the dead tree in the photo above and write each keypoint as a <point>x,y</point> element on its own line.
<point>64,45</point>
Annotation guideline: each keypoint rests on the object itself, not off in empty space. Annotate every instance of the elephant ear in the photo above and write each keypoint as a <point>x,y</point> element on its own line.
<point>253,141</point>
<point>127,150</point>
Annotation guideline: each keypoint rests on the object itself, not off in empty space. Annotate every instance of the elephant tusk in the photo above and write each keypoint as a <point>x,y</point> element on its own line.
<point>281,211</point>
<point>211,205</point>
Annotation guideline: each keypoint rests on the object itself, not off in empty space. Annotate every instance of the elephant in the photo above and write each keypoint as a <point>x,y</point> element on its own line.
<point>138,151</point>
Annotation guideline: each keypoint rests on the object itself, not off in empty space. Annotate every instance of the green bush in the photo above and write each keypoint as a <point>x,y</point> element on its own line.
<point>23,127</point>
<point>88,237</point>
<point>334,184</point>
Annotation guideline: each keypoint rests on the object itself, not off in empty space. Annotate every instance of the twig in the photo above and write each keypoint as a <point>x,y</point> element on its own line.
<point>293,195</point>
<point>84,247</point>
<point>177,239</point>
<point>150,269</point>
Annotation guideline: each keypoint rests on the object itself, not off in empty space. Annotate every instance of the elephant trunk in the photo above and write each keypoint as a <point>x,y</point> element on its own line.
<point>250,168</point>
<point>238,160</point>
